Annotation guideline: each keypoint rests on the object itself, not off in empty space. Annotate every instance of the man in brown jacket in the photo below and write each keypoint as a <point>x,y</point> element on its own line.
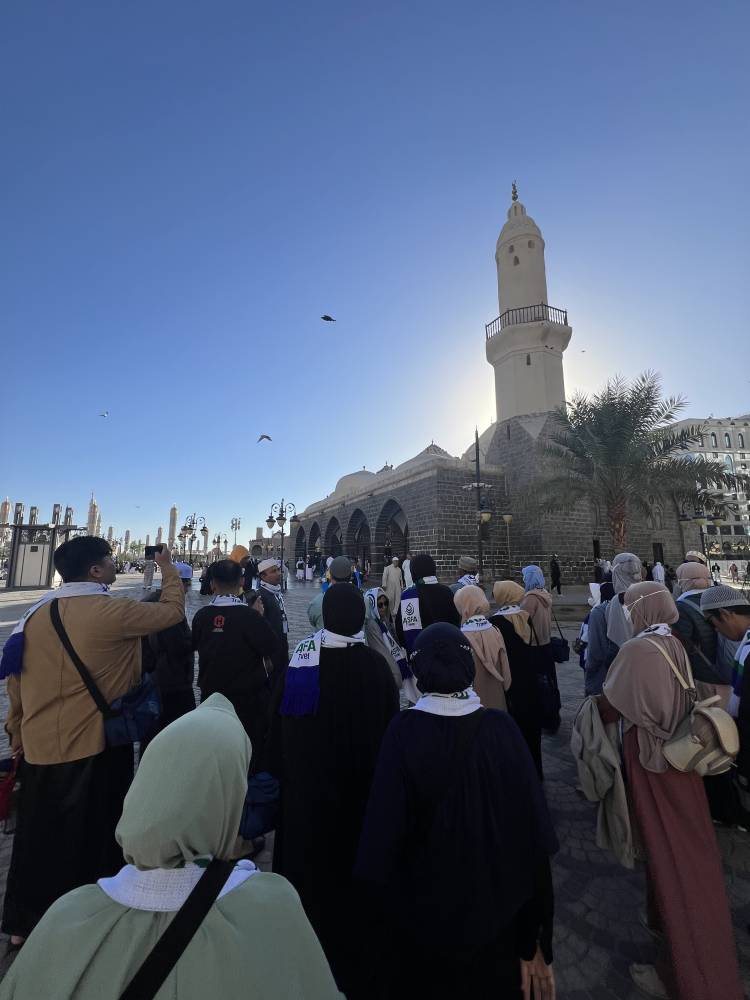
<point>72,785</point>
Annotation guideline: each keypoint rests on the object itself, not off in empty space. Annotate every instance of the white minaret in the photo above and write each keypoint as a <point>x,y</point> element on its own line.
<point>98,528</point>
<point>126,544</point>
<point>158,536</point>
<point>172,525</point>
<point>110,536</point>
<point>91,519</point>
<point>525,343</point>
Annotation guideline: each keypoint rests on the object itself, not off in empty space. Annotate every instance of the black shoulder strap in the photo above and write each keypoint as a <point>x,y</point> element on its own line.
<point>558,626</point>
<point>88,680</point>
<point>533,633</point>
<point>165,954</point>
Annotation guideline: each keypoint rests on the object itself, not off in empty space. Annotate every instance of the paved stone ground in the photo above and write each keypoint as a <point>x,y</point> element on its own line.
<point>597,930</point>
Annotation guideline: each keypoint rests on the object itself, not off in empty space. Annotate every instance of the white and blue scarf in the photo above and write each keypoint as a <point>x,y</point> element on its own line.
<point>12,659</point>
<point>468,580</point>
<point>411,618</point>
<point>224,600</point>
<point>302,686</point>
<point>396,651</point>
<point>477,623</point>
<point>458,703</point>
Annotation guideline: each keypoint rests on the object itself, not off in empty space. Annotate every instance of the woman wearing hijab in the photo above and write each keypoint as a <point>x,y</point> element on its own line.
<point>381,636</point>
<point>492,675</point>
<point>425,603</point>
<point>338,699</point>
<point>686,893</point>
<point>523,697</point>
<point>697,633</point>
<point>183,809</point>
<point>537,602</point>
<point>456,842</point>
<point>608,626</point>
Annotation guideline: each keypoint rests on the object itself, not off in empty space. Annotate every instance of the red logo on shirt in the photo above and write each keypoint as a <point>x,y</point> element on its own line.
<point>218,623</point>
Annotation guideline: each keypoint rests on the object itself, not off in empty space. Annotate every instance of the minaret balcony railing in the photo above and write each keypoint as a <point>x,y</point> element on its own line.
<point>526,314</point>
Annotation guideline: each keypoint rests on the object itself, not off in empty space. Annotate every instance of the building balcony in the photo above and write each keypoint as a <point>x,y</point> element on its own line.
<point>526,314</point>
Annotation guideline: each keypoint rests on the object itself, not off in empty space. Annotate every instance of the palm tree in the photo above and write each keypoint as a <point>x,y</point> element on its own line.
<point>620,451</point>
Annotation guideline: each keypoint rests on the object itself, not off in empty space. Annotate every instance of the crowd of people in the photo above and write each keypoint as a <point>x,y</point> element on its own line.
<point>412,840</point>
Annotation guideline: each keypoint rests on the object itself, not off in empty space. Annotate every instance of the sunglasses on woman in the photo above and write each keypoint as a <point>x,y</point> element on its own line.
<point>383,603</point>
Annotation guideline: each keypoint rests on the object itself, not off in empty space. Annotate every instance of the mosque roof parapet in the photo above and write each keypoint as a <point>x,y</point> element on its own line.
<point>364,483</point>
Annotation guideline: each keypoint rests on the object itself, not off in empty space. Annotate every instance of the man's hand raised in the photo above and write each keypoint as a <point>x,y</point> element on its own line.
<point>163,558</point>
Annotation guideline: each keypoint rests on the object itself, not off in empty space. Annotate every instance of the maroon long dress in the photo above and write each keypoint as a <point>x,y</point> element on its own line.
<point>698,960</point>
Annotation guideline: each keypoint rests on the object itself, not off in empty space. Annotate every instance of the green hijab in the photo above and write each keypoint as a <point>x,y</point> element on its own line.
<point>185,803</point>
<point>169,816</point>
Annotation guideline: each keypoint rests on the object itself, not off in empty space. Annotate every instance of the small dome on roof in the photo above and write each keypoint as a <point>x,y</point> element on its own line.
<point>354,481</point>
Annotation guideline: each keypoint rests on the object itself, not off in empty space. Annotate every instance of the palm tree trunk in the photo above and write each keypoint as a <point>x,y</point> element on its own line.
<point>618,524</point>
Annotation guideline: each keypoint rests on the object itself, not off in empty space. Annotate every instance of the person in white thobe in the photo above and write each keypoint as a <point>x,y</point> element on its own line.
<point>658,573</point>
<point>393,584</point>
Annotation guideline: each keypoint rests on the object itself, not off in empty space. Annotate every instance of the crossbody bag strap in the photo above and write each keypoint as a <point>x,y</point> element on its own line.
<point>533,633</point>
<point>557,623</point>
<point>88,680</point>
<point>686,685</point>
<point>167,951</point>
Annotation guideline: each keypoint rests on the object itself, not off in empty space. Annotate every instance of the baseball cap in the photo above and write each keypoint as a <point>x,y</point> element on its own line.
<point>185,571</point>
<point>341,568</point>
<point>715,598</point>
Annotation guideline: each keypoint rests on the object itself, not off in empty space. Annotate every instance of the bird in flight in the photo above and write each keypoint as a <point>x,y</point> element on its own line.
<point>105,414</point>
<point>328,319</point>
<point>263,437</point>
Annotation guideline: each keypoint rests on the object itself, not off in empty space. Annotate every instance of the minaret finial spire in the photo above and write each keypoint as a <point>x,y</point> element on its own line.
<point>514,192</point>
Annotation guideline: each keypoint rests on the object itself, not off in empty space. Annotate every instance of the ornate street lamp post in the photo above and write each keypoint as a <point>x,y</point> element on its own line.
<point>278,516</point>
<point>235,526</point>
<point>188,532</point>
<point>508,519</point>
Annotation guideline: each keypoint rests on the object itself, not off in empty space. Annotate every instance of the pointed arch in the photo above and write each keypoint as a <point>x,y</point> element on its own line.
<point>334,541</point>
<point>358,537</point>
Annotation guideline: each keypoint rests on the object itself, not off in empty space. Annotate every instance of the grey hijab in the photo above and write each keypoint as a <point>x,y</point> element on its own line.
<point>626,571</point>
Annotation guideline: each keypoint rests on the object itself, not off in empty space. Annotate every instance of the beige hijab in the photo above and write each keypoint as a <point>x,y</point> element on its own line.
<point>508,593</point>
<point>492,678</point>
<point>692,576</point>
<point>640,683</point>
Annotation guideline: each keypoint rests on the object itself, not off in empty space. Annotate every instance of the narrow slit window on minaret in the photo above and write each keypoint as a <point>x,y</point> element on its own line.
<point>516,261</point>
<point>528,359</point>
<point>531,244</point>
<point>510,248</point>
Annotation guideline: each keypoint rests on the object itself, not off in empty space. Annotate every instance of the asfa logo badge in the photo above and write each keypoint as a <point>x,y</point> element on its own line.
<point>410,617</point>
<point>218,623</point>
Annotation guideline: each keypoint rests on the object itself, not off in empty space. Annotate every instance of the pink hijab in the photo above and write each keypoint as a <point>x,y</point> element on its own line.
<point>486,643</point>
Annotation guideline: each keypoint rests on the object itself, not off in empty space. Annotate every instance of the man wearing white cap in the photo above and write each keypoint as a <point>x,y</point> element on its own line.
<point>269,573</point>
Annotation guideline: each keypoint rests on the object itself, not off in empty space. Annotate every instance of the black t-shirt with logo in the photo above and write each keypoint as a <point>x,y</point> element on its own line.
<point>232,641</point>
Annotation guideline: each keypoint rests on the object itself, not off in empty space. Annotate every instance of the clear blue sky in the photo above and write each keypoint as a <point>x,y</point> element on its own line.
<point>186,187</point>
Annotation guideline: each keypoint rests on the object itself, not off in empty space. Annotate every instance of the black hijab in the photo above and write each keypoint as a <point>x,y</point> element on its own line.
<point>343,609</point>
<point>442,660</point>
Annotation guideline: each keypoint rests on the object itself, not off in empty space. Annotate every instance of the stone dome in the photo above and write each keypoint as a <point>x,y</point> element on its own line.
<point>354,481</point>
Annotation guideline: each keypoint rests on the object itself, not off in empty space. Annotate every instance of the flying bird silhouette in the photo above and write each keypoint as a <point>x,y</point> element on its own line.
<point>105,414</point>
<point>263,437</point>
<point>328,319</point>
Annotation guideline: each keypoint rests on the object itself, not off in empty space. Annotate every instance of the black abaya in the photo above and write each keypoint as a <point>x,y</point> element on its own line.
<point>65,832</point>
<point>523,695</point>
<point>460,867</point>
<point>326,762</point>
